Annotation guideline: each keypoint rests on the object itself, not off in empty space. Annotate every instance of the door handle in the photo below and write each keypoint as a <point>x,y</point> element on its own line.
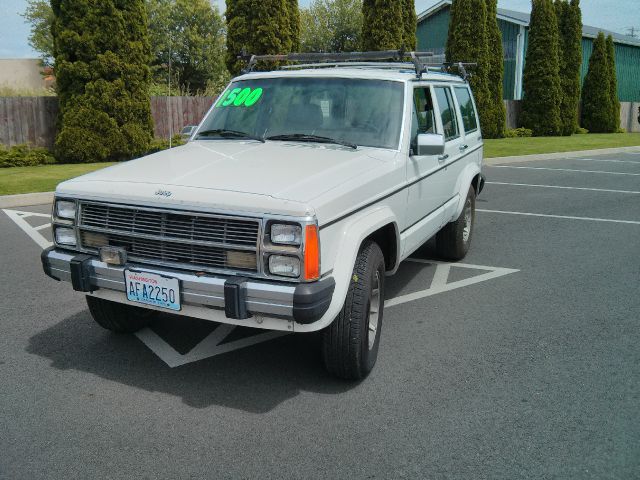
<point>463,147</point>
<point>442,158</point>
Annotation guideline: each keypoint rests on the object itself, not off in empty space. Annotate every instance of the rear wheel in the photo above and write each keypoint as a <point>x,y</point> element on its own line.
<point>350,344</point>
<point>119,317</point>
<point>453,241</point>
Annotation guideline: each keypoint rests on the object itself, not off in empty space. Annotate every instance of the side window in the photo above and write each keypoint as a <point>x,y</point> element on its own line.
<point>469,118</point>
<point>423,114</point>
<point>447,112</point>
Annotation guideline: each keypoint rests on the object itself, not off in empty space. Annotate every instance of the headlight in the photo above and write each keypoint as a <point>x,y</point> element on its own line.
<point>284,266</point>
<point>65,236</point>
<point>286,234</point>
<point>66,209</point>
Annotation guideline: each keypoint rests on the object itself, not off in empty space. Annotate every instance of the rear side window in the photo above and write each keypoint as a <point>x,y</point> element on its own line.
<point>447,111</point>
<point>469,118</point>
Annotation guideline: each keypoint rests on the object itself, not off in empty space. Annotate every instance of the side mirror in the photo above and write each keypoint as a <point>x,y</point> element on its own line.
<point>188,131</point>
<point>429,144</point>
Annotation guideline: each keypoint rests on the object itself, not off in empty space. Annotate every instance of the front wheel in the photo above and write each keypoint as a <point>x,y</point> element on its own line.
<point>350,344</point>
<point>119,317</point>
<point>453,241</point>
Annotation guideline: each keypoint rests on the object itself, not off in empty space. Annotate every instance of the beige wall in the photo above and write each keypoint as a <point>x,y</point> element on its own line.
<point>21,73</point>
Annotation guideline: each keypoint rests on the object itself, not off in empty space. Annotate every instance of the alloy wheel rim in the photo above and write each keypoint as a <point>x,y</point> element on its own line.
<point>468,220</point>
<point>374,310</point>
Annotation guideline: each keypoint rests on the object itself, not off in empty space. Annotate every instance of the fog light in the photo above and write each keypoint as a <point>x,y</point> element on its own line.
<point>286,234</point>
<point>113,255</point>
<point>66,209</point>
<point>284,266</point>
<point>66,236</point>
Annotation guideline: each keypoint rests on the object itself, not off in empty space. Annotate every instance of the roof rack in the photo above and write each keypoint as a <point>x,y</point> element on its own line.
<point>361,59</point>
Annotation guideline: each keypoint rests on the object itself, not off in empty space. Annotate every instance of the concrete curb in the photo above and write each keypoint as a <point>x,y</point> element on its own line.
<point>25,199</point>
<point>554,156</point>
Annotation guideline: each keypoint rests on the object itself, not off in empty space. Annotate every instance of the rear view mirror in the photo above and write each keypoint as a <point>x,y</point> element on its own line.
<point>429,144</point>
<point>188,131</point>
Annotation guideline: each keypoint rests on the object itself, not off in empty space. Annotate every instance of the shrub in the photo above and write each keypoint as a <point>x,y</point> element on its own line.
<point>159,144</point>
<point>24,156</point>
<point>581,131</point>
<point>383,27</point>
<point>570,26</point>
<point>497,124</point>
<point>467,22</point>
<point>541,82</point>
<point>596,90</point>
<point>102,55</point>
<point>518,132</point>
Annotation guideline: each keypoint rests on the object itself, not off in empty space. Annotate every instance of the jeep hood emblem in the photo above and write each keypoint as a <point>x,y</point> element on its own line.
<point>163,193</point>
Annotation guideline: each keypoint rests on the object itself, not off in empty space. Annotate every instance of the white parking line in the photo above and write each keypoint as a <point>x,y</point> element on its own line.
<point>19,218</point>
<point>441,276</point>
<point>609,160</point>
<point>562,187</point>
<point>562,170</point>
<point>568,217</point>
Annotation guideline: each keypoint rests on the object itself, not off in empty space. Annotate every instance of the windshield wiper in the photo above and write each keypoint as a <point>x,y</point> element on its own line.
<point>305,137</point>
<point>223,132</point>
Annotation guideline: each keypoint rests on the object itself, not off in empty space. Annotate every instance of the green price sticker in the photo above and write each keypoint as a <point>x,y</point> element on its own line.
<point>239,97</point>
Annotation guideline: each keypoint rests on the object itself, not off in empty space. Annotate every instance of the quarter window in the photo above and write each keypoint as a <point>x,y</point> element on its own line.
<point>468,112</point>
<point>447,113</point>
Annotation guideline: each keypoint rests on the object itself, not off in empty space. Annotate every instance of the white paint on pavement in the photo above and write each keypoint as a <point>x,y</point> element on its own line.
<point>562,187</point>
<point>607,160</point>
<point>18,218</point>
<point>439,283</point>
<point>563,170</point>
<point>209,347</point>
<point>567,217</point>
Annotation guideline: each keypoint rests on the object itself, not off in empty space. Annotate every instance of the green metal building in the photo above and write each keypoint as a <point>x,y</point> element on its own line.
<point>433,25</point>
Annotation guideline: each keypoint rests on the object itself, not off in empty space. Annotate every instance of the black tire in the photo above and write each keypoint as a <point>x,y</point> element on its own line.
<point>118,317</point>
<point>451,242</point>
<point>348,349</point>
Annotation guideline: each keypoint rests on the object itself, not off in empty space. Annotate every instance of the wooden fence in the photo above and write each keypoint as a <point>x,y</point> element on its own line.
<point>32,120</point>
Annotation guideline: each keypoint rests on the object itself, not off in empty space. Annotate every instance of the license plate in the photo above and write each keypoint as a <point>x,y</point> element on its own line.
<point>152,289</point>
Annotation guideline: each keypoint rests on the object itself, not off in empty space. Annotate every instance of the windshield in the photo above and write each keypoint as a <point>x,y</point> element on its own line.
<point>349,111</point>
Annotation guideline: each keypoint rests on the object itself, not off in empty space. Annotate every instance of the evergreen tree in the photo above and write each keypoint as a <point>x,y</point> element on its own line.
<point>258,28</point>
<point>570,27</point>
<point>596,90</point>
<point>410,21</point>
<point>495,128</point>
<point>293,14</point>
<point>467,42</point>
<point>613,85</point>
<point>383,27</point>
<point>541,83</point>
<point>102,55</point>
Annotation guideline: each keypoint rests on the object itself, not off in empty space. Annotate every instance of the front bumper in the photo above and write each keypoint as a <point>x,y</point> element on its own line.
<point>227,299</point>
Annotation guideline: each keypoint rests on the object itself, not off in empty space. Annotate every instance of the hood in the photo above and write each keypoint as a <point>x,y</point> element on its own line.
<point>276,177</point>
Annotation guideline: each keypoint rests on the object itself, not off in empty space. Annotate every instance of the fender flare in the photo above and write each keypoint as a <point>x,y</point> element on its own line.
<point>465,179</point>
<point>351,235</point>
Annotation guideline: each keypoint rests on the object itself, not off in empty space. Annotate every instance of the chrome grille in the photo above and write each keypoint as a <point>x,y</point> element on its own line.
<point>199,240</point>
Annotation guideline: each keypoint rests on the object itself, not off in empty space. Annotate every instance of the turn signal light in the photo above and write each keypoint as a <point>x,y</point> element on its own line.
<point>311,253</point>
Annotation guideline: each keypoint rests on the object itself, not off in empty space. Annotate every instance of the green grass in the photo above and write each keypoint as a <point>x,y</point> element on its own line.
<point>43,178</point>
<point>507,147</point>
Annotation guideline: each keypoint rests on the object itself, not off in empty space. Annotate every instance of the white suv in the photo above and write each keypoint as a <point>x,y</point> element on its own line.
<point>298,193</point>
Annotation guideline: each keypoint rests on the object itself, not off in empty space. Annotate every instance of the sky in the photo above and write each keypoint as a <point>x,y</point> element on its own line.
<point>614,15</point>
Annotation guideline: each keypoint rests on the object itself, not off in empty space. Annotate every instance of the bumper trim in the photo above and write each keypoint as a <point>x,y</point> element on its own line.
<point>311,300</point>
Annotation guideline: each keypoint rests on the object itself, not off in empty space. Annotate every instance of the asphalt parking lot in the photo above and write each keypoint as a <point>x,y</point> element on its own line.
<point>521,362</point>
